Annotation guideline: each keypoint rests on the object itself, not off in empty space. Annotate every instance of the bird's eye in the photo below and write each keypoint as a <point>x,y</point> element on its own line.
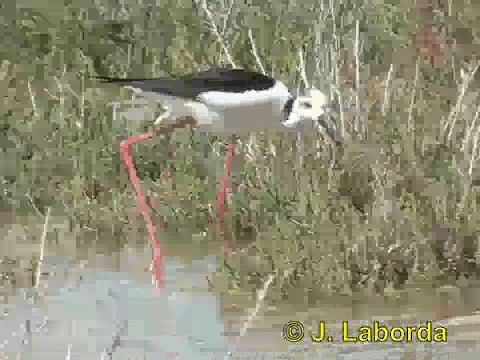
<point>307,105</point>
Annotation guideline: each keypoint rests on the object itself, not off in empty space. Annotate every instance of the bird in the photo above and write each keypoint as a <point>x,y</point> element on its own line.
<point>220,101</point>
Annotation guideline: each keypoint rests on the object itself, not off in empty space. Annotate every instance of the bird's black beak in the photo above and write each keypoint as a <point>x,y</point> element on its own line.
<point>328,125</point>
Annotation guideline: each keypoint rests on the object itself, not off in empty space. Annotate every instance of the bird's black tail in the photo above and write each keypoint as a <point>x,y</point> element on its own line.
<point>159,85</point>
<point>112,80</point>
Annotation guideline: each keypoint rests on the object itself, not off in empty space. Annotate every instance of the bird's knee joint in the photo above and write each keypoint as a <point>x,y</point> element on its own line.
<point>125,146</point>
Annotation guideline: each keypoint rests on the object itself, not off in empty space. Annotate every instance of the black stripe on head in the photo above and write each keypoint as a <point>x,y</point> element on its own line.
<point>287,108</point>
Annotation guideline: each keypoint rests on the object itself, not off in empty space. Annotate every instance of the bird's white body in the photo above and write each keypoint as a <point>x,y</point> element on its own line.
<point>228,112</point>
<point>231,102</point>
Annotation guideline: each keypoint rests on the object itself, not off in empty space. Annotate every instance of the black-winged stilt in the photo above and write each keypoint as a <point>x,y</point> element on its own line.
<point>219,100</point>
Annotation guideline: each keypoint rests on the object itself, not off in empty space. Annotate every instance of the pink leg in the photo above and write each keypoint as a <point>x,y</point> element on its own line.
<point>221,198</point>
<point>222,194</point>
<point>126,154</point>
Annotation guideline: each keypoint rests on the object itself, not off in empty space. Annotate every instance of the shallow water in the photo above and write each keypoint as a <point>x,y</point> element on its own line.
<point>103,312</point>
<point>104,307</point>
<point>96,313</point>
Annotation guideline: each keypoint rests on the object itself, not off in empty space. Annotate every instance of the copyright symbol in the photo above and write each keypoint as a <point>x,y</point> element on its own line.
<point>293,331</point>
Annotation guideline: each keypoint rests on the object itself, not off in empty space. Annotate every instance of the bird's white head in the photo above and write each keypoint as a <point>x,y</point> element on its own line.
<point>306,108</point>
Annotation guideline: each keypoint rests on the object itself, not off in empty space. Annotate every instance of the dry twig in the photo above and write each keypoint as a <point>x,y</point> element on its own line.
<point>42,247</point>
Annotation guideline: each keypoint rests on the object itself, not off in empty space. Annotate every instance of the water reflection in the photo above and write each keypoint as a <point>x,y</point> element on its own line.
<point>101,312</point>
<point>105,308</point>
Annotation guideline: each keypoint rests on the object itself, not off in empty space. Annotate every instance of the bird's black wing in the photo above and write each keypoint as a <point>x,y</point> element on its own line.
<point>229,80</point>
<point>190,86</point>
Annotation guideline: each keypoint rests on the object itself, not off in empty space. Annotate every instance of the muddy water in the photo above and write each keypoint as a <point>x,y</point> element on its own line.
<point>103,307</point>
